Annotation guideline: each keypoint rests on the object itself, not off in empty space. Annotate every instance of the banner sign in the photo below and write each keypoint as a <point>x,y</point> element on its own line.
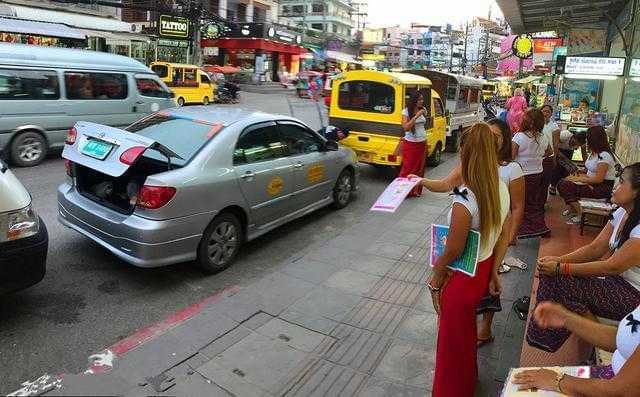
<point>173,27</point>
<point>522,46</point>
<point>601,66</point>
<point>545,46</point>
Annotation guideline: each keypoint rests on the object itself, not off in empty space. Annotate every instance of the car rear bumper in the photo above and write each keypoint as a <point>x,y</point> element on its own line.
<point>23,262</point>
<point>139,241</point>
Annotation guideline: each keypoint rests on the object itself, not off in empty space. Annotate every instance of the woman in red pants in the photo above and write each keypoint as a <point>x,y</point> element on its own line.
<point>413,145</point>
<point>481,204</point>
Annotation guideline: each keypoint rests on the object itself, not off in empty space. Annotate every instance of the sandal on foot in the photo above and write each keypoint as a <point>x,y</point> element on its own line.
<point>482,342</point>
<point>503,269</point>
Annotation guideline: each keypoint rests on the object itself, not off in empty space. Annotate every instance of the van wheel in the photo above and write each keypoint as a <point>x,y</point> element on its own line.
<point>205,101</point>
<point>436,156</point>
<point>220,243</point>
<point>181,101</point>
<point>343,190</point>
<point>28,149</point>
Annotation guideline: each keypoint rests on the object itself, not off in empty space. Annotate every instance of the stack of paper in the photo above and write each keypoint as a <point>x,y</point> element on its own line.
<point>511,390</point>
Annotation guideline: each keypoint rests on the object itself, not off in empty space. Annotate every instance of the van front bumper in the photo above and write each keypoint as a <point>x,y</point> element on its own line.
<point>139,241</point>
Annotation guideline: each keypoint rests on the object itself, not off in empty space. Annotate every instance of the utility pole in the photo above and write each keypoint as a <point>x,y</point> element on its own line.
<point>466,39</point>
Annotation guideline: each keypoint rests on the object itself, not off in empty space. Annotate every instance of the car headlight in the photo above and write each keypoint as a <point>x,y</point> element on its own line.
<point>19,224</point>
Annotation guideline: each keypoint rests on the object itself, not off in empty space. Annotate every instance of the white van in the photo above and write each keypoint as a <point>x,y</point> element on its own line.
<point>23,236</point>
<point>44,91</point>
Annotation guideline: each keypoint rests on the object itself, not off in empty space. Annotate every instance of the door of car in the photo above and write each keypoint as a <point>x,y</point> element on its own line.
<point>264,173</point>
<point>153,95</point>
<point>206,87</point>
<point>314,168</point>
<point>438,133</point>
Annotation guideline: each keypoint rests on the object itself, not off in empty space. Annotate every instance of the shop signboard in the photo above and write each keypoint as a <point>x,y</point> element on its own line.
<point>601,66</point>
<point>522,46</point>
<point>545,46</point>
<point>559,51</point>
<point>634,68</point>
<point>173,43</point>
<point>173,27</point>
<point>262,31</point>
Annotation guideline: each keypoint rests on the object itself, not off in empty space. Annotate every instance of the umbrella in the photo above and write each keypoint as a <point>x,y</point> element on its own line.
<point>221,69</point>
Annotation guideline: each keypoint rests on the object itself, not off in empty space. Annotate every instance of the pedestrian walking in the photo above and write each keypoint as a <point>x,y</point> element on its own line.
<point>481,203</point>
<point>516,105</point>
<point>413,145</point>
<point>529,148</point>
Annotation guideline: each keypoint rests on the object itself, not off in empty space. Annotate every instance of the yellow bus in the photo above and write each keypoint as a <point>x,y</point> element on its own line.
<point>190,83</point>
<point>370,103</point>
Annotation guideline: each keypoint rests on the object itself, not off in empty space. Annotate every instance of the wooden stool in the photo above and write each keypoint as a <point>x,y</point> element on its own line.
<point>599,209</point>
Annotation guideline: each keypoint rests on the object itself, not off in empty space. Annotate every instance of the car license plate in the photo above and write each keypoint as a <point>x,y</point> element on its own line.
<point>97,149</point>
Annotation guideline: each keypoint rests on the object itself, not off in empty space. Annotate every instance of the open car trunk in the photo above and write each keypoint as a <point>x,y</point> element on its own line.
<point>106,171</point>
<point>118,193</point>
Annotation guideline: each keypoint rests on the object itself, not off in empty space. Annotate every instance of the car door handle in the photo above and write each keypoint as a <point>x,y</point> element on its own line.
<point>248,175</point>
<point>298,165</point>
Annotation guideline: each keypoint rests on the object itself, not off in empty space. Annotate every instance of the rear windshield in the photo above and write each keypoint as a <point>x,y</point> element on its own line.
<point>183,136</point>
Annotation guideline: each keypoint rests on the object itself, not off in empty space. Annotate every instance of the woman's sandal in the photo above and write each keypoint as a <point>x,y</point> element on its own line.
<point>482,342</point>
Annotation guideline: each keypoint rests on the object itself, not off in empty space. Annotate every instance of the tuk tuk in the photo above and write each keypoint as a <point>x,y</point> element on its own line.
<point>461,96</point>
<point>370,103</point>
<point>489,90</point>
<point>190,83</point>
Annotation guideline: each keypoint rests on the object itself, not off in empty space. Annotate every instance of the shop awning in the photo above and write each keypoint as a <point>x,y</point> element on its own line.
<point>115,38</point>
<point>221,69</point>
<point>11,25</point>
<point>526,16</point>
<point>70,19</point>
<point>341,57</point>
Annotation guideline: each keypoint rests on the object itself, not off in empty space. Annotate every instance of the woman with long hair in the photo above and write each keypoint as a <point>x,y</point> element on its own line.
<point>413,145</point>
<point>516,105</point>
<point>597,183</point>
<point>586,283</point>
<point>481,203</point>
<point>529,148</point>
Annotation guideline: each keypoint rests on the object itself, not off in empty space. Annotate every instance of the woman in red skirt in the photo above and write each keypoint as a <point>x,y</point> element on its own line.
<point>413,146</point>
<point>481,203</point>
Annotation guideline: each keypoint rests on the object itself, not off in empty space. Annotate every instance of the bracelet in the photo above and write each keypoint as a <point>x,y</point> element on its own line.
<point>559,378</point>
<point>566,269</point>
<point>433,289</point>
<point>557,269</point>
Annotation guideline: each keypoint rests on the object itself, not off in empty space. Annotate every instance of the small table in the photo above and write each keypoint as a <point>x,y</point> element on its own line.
<point>598,209</point>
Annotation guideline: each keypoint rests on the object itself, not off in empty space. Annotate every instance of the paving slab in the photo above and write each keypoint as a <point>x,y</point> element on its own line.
<point>400,237</point>
<point>409,271</point>
<point>224,342</point>
<point>408,363</point>
<point>378,387</point>
<point>293,335</point>
<point>310,270</point>
<point>376,316</point>
<point>419,327</point>
<point>229,381</point>
<point>388,250</point>
<point>203,328</point>
<point>356,348</point>
<point>352,282</point>
<point>195,385</point>
<point>372,264</point>
<point>321,378</point>
<point>324,302</point>
<point>259,360</point>
<point>316,323</point>
<point>395,291</point>
<point>257,320</point>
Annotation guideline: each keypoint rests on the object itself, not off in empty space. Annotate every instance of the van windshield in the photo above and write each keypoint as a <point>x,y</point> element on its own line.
<point>183,136</point>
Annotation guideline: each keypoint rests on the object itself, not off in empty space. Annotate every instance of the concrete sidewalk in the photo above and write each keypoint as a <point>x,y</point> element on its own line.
<point>349,317</point>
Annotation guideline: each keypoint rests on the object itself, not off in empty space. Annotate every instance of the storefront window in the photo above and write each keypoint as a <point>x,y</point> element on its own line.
<point>366,96</point>
<point>41,40</point>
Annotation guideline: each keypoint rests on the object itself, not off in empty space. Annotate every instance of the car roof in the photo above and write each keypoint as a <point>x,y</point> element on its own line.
<point>223,115</point>
<point>68,58</point>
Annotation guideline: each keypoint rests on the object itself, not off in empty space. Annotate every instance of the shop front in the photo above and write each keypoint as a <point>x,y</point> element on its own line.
<point>261,50</point>
<point>19,31</point>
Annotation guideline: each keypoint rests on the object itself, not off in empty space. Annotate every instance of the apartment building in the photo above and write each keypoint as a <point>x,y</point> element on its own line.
<point>332,17</point>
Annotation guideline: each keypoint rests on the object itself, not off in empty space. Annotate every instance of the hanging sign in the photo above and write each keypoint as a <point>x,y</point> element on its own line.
<point>601,66</point>
<point>522,46</point>
<point>173,27</point>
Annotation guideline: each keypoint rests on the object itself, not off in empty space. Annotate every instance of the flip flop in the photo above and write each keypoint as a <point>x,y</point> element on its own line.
<point>504,268</point>
<point>482,342</point>
<point>515,262</point>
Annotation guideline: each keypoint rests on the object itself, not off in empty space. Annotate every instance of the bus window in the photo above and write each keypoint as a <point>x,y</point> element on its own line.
<point>366,96</point>
<point>161,71</point>
<point>463,98</point>
<point>474,97</point>
<point>451,92</point>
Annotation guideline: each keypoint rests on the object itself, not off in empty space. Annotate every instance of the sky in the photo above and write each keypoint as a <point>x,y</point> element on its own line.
<point>430,12</point>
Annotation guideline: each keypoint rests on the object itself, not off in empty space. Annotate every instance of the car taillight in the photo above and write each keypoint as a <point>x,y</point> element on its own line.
<point>68,165</point>
<point>392,158</point>
<point>131,155</point>
<point>72,134</point>
<point>154,197</point>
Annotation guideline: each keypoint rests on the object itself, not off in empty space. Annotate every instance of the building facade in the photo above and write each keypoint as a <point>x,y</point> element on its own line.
<point>483,39</point>
<point>331,17</point>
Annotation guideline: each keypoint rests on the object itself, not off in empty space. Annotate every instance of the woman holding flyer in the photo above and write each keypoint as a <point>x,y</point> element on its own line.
<point>481,204</point>
<point>621,378</point>
<point>413,145</point>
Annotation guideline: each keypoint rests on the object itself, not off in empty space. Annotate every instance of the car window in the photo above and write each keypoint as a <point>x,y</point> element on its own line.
<point>204,79</point>
<point>298,139</point>
<point>366,96</point>
<point>97,86</point>
<point>260,144</point>
<point>161,70</point>
<point>28,84</point>
<point>162,128</point>
<point>151,87</point>
<point>437,103</point>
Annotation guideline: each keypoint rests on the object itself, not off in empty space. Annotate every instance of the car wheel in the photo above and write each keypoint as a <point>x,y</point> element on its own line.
<point>343,190</point>
<point>220,243</point>
<point>181,101</point>
<point>205,101</point>
<point>28,149</point>
<point>436,156</point>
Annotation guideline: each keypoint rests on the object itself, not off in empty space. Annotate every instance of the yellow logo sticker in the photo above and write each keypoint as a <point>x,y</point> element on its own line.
<point>315,173</point>
<point>275,186</point>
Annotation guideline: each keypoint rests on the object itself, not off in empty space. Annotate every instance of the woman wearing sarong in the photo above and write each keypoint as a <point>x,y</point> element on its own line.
<point>413,145</point>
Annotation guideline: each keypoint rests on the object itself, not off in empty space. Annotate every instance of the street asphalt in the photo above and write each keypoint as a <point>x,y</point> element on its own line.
<point>89,299</point>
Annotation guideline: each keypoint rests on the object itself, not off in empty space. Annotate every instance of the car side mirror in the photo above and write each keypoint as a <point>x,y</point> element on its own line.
<point>172,94</point>
<point>331,146</point>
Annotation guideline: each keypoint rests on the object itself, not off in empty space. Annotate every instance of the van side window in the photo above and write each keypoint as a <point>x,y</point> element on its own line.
<point>151,88</point>
<point>97,86</point>
<point>366,96</point>
<point>28,84</point>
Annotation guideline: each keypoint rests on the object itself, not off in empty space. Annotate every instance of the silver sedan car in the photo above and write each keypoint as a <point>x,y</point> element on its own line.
<point>195,183</point>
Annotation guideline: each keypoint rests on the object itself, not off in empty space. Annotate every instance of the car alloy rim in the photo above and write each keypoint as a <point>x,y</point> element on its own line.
<point>30,149</point>
<point>223,243</point>
<point>344,189</point>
